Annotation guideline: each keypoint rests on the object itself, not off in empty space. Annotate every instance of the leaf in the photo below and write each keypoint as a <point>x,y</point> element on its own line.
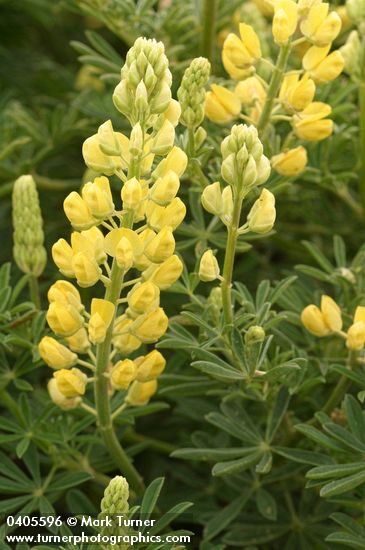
<point>218,522</point>
<point>318,437</point>
<point>266,504</point>
<point>265,464</point>
<point>150,498</point>
<point>348,523</point>
<point>318,256</point>
<point>281,287</point>
<point>65,481</point>
<point>22,385</point>
<point>234,466</point>
<point>281,371</point>
<point>22,447</point>
<point>345,437</point>
<point>339,250</point>
<point>231,427</point>
<point>217,371</point>
<point>355,417</point>
<point>255,534</point>
<point>345,538</point>
<point>211,454</point>
<point>335,470</point>
<point>170,516</point>
<point>343,485</point>
<point>354,376</point>
<point>313,272</point>
<point>277,412</point>
<point>302,456</point>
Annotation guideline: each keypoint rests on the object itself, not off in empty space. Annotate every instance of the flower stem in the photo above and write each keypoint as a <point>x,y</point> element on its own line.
<point>34,291</point>
<point>102,400</point>
<point>229,261</point>
<point>272,92</point>
<point>208,18</point>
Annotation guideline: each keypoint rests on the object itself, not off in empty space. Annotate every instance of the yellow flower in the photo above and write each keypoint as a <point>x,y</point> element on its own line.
<point>234,72</point>
<point>212,199</point>
<point>331,313</point>
<point>313,320</point>
<point>150,366</point>
<point>176,161</point>
<point>65,403</point>
<point>165,274</point>
<point>161,247</point>
<point>100,162</point>
<point>321,27</point>
<point>70,383</point>
<point>173,112</point>
<point>171,215</point>
<point>250,91</point>
<point>305,5</point>
<point>124,254</point>
<point>113,238</point>
<point>311,124</point>
<point>356,336</point>
<point>79,342</point>
<point>123,373</point>
<point>297,94</point>
<point>208,267</point>
<point>221,105</point>
<point>131,194</point>
<point>165,188</point>
<point>144,297</point>
<point>164,139</point>
<point>66,293</point>
<point>261,217</point>
<point>56,355</point>
<point>86,269</point>
<point>240,53</point>
<point>359,314</point>
<point>285,20</point>
<point>322,67</point>
<point>98,198</point>
<point>102,313</point>
<point>290,162</point>
<point>140,393</point>
<point>62,255</point>
<point>122,339</point>
<point>150,327</point>
<point>91,242</point>
<point>227,201</point>
<point>63,319</point>
<point>107,139</point>
<point>77,211</point>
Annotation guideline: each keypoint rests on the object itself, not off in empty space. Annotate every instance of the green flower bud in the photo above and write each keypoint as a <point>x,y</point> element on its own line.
<point>244,165</point>
<point>191,93</point>
<point>28,250</point>
<point>351,53</point>
<point>254,335</point>
<point>356,11</point>
<point>115,503</point>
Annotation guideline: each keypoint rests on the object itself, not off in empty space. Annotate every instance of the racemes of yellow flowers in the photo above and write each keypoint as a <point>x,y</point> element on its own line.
<point>266,94</point>
<point>122,238</point>
<point>327,320</point>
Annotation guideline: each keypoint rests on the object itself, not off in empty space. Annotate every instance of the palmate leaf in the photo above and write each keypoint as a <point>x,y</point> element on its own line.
<point>219,521</point>
<point>343,485</point>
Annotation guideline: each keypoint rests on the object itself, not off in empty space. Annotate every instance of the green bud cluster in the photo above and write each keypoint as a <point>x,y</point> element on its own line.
<point>254,335</point>
<point>356,11</point>
<point>244,165</point>
<point>115,502</point>
<point>28,250</point>
<point>191,93</point>
<point>352,53</point>
<point>144,89</point>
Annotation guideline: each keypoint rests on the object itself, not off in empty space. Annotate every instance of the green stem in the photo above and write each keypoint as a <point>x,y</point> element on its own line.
<point>152,443</point>
<point>34,291</point>
<point>208,18</point>
<point>272,92</point>
<point>229,261</point>
<point>102,400</point>
<point>362,143</point>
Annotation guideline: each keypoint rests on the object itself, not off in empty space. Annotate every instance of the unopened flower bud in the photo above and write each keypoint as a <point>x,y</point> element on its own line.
<point>165,188</point>
<point>262,215</point>
<point>98,198</point>
<point>65,403</point>
<point>208,268</point>
<point>86,269</point>
<point>55,355</point>
<point>150,366</point>
<point>144,297</point>
<point>124,254</point>
<point>313,320</point>
<point>102,313</point>
<point>164,140</point>
<point>254,335</point>
<point>78,212</point>
<point>165,274</point>
<point>123,373</point>
<point>62,255</point>
<point>212,199</point>
<point>191,93</point>
<point>176,161</point>
<point>150,327</point>
<point>65,293</point>
<point>356,336</point>
<point>108,141</point>
<point>131,194</point>
<point>79,342</point>
<point>285,20</point>
<point>291,162</point>
<point>331,313</point>
<point>140,393</point>
<point>63,319</point>
<point>161,247</point>
<point>70,383</point>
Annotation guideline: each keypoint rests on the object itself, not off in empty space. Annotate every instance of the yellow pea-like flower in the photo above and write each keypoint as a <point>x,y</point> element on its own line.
<point>208,267</point>
<point>171,215</point>
<point>239,54</point>
<point>331,313</point>
<point>164,140</point>
<point>63,319</point>
<point>305,5</point>
<point>321,27</point>
<point>94,242</point>
<point>313,320</point>
<point>311,124</point>
<point>77,211</point>
<point>285,20</point>
<point>262,215</point>
<point>161,247</point>
<point>144,297</point>
<point>233,70</point>
<point>356,336</point>
<point>150,327</point>
<point>290,162</point>
<point>62,255</point>
<point>165,274</point>
<point>165,188</point>
<point>176,161</point>
<point>56,355</point>
<point>98,161</point>
<point>221,105</point>
<point>107,139</point>
<point>150,366</point>
<point>321,66</point>
<point>66,293</point>
<point>102,313</point>
<point>123,373</point>
<point>98,198</point>
<point>140,393</point>
<point>113,238</point>
<point>296,94</point>
<point>227,201</point>
<point>131,194</point>
<point>212,199</point>
<point>79,342</point>
<point>359,314</point>
<point>250,91</point>
<point>86,269</point>
<point>70,383</point>
<point>65,403</point>
<point>123,341</point>
<point>124,254</point>
<point>173,112</point>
